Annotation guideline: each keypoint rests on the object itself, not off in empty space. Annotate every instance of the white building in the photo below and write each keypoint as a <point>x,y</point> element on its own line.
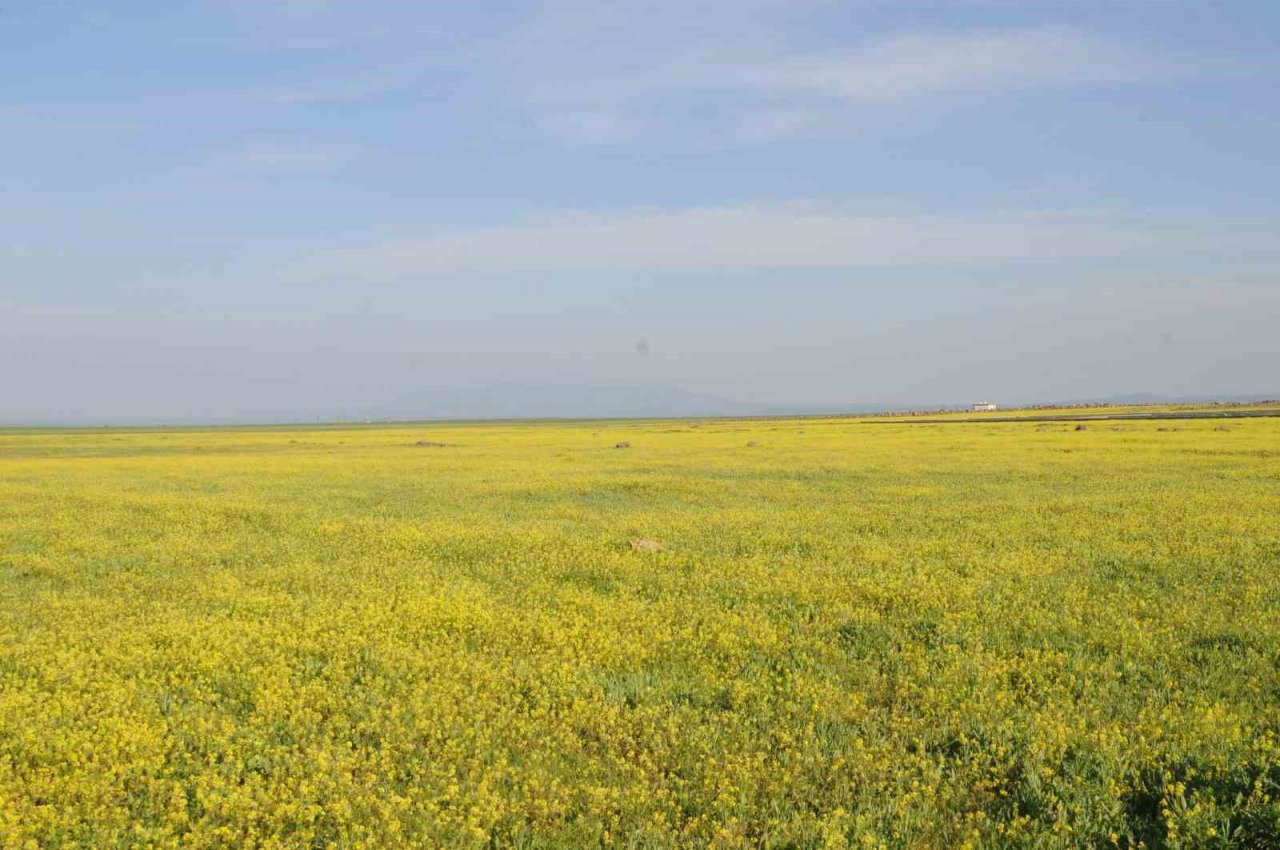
<point>979,406</point>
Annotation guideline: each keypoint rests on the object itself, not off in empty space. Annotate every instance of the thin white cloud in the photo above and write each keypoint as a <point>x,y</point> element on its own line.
<point>602,71</point>
<point>590,126</point>
<point>287,154</point>
<point>366,85</point>
<point>921,64</point>
<point>769,122</point>
<point>762,84</point>
<point>728,238</point>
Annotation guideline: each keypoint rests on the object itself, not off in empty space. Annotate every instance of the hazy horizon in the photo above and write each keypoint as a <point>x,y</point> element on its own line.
<point>508,402</point>
<point>296,209</point>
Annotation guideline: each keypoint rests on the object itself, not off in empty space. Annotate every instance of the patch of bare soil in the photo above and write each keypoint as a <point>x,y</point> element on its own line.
<point>647,546</point>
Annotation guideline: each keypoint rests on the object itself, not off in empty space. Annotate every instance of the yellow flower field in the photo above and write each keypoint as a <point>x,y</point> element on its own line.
<point>855,633</point>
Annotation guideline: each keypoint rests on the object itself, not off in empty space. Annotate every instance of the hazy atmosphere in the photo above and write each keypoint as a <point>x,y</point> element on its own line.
<point>250,210</point>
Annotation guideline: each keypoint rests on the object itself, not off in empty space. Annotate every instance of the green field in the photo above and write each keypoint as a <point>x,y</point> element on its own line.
<point>851,634</point>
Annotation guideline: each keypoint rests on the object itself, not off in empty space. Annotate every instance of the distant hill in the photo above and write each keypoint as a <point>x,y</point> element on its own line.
<point>1152,398</point>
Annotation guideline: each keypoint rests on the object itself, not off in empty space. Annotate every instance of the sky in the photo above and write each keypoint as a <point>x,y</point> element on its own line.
<point>239,210</point>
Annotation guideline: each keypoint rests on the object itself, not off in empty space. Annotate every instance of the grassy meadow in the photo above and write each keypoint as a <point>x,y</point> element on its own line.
<point>850,634</point>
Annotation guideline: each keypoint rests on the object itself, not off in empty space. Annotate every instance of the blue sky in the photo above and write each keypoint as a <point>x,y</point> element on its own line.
<point>298,208</point>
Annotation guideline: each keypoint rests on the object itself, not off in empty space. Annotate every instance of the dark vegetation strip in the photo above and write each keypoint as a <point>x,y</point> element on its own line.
<point>1090,417</point>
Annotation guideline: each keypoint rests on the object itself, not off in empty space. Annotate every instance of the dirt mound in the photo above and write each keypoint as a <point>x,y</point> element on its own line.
<point>647,546</point>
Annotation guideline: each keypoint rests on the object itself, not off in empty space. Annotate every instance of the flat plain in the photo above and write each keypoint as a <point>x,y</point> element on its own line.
<point>773,633</point>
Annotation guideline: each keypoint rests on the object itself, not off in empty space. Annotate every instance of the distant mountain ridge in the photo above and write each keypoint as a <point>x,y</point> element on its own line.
<point>1151,398</point>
